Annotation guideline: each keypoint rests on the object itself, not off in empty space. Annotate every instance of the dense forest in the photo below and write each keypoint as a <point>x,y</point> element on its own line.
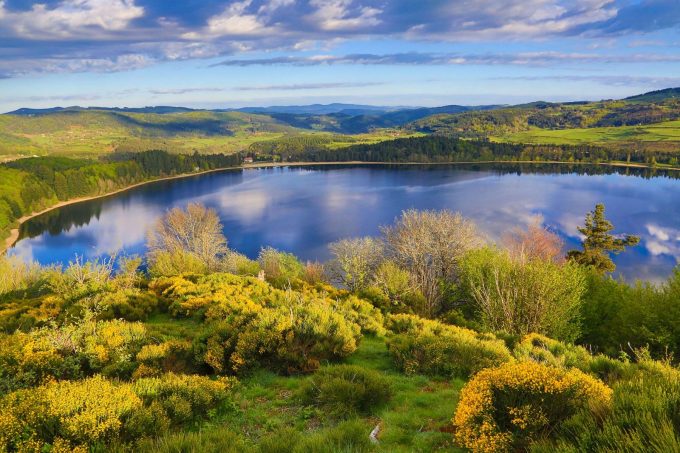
<point>438,149</point>
<point>426,338</point>
<point>33,184</point>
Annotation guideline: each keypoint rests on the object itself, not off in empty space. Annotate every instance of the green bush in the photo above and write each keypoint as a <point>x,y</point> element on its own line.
<point>345,391</point>
<point>281,269</point>
<point>618,316</point>
<point>183,397</point>
<point>644,417</point>
<point>208,441</point>
<point>348,436</point>
<point>428,347</point>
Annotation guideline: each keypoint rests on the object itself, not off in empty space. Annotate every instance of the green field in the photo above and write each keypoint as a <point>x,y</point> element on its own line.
<point>668,131</point>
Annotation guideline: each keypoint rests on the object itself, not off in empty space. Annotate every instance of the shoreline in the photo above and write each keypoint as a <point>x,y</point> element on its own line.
<point>13,237</point>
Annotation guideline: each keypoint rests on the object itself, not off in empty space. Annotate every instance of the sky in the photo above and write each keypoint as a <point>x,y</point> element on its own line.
<point>219,54</point>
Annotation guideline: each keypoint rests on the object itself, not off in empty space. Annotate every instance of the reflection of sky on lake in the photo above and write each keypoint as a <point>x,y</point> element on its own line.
<point>301,210</point>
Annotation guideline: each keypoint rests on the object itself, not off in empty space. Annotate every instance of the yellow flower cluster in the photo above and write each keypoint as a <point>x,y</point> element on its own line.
<point>79,413</point>
<point>258,323</point>
<point>535,398</point>
<point>70,415</point>
<point>430,347</point>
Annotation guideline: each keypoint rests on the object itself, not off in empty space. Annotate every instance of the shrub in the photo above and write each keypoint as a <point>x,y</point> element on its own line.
<point>183,397</point>
<point>76,413</point>
<point>177,262</point>
<point>506,408</point>
<point>130,305</point>
<point>173,355</point>
<point>521,296</point>
<point>281,269</point>
<point>643,417</point>
<point>250,323</point>
<point>17,275</point>
<point>551,352</point>
<point>347,436</point>
<point>69,352</point>
<point>355,261</point>
<point>344,391</point>
<point>356,310</point>
<point>96,411</point>
<point>289,338</point>
<point>429,347</point>
<point>618,315</point>
<point>236,263</point>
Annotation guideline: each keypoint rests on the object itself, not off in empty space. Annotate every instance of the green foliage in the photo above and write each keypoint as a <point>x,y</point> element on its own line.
<point>643,418</point>
<point>250,323</point>
<point>598,242</point>
<point>281,269</point>
<point>618,317</point>
<point>523,295</point>
<point>347,436</point>
<point>344,391</point>
<point>429,347</point>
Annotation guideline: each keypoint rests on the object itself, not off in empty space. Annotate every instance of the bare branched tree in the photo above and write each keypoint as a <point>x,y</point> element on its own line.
<point>429,244</point>
<point>194,231</point>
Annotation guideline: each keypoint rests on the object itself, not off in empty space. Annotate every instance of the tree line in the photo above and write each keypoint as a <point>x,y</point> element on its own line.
<point>33,184</point>
<point>438,149</point>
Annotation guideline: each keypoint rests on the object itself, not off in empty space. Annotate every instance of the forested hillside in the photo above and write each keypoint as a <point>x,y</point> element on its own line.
<point>33,184</point>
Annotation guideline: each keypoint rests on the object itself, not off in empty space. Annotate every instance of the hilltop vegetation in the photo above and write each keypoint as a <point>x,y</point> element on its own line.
<point>431,339</point>
<point>645,122</point>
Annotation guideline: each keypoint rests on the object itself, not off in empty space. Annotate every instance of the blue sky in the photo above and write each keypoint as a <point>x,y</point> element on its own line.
<point>210,53</point>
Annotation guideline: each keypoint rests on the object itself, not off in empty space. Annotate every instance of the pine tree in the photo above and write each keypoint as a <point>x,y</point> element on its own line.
<point>598,242</point>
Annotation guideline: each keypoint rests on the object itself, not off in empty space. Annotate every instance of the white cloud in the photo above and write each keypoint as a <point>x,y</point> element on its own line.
<point>337,15</point>
<point>235,20</point>
<point>71,18</point>
<point>663,241</point>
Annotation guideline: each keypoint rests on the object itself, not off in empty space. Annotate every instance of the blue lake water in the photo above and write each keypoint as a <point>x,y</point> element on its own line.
<point>301,210</point>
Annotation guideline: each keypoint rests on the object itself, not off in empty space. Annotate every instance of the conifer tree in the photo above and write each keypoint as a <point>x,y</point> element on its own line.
<point>598,242</point>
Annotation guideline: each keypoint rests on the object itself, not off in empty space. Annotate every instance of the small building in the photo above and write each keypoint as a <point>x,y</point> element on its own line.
<point>248,160</point>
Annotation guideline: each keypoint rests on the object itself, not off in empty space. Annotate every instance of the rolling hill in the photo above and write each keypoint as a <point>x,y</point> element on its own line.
<point>648,120</point>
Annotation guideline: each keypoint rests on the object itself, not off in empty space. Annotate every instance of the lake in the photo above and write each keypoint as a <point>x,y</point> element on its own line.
<point>302,209</point>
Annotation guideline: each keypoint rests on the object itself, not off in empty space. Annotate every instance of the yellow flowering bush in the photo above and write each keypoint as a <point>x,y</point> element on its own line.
<point>506,408</point>
<point>173,355</point>
<point>254,324</point>
<point>290,338</point>
<point>66,414</point>
<point>419,345</point>
<point>69,352</point>
<point>70,415</point>
<point>184,397</point>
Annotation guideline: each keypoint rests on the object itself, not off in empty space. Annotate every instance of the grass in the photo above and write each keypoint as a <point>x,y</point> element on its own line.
<point>267,410</point>
<point>93,133</point>
<point>668,131</point>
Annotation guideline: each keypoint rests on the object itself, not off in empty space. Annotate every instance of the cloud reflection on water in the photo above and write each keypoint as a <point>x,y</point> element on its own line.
<point>302,210</point>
